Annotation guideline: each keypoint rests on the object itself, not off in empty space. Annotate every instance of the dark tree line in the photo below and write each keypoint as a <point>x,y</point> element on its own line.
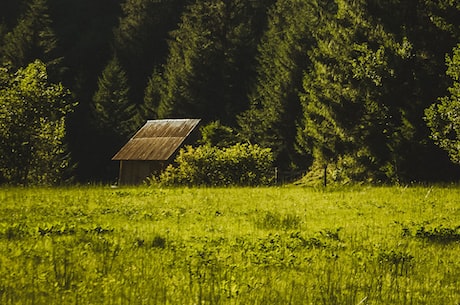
<point>358,89</point>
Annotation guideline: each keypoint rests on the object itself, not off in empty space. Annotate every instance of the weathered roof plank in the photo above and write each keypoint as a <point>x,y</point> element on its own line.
<point>157,140</point>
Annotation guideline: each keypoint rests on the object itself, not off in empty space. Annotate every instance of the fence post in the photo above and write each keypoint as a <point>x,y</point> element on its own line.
<point>325,175</point>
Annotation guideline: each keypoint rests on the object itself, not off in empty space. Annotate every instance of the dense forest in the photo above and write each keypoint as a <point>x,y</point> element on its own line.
<point>366,89</point>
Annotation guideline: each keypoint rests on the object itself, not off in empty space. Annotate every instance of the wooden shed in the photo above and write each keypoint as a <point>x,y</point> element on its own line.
<point>153,147</point>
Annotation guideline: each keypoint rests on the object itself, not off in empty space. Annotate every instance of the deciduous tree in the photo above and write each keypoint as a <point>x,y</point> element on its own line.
<point>443,118</point>
<point>365,93</point>
<point>32,126</point>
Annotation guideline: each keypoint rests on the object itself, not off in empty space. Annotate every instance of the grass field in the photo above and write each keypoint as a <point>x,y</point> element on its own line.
<point>280,245</point>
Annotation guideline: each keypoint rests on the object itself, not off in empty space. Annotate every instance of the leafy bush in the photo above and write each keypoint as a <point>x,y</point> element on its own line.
<point>349,169</point>
<point>240,164</point>
<point>345,170</point>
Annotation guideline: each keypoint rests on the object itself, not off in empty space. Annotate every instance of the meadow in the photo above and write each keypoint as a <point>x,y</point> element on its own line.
<point>277,245</point>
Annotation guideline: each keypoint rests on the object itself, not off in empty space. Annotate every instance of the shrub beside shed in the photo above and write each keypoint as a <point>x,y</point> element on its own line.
<point>153,147</point>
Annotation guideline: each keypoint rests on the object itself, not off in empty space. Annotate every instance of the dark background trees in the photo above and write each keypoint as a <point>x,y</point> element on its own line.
<point>341,85</point>
<point>274,102</point>
<point>375,68</point>
<point>211,62</point>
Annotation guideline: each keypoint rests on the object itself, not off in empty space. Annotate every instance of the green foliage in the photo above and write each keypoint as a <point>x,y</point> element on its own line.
<point>216,134</point>
<point>340,99</point>
<point>362,110</point>
<point>342,83</point>
<point>114,118</point>
<point>345,171</point>
<point>32,38</point>
<point>439,234</point>
<point>443,118</point>
<point>32,120</point>
<point>241,164</point>
<point>398,263</point>
<point>275,107</point>
<point>210,62</point>
<point>114,115</point>
<point>273,220</point>
<point>140,39</point>
<point>152,96</point>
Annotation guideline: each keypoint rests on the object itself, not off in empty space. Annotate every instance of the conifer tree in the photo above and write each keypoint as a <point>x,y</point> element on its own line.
<point>84,29</point>
<point>347,121</point>
<point>152,96</point>
<point>33,38</point>
<point>115,119</point>
<point>275,106</point>
<point>431,29</point>
<point>210,64</point>
<point>140,39</point>
<point>114,114</point>
<point>373,67</point>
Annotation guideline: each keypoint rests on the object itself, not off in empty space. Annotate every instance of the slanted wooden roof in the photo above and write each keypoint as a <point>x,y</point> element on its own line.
<point>157,140</point>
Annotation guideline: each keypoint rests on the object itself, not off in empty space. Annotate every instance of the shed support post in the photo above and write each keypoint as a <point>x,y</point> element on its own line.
<point>120,173</point>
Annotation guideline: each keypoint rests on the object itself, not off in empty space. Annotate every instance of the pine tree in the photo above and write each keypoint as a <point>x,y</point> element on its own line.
<point>275,105</point>
<point>9,15</point>
<point>346,120</point>
<point>372,71</point>
<point>140,39</point>
<point>33,38</point>
<point>152,96</point>
<point>210,64</point>
<point>114,114</point>
<point>115,119</point>
<point>84,29</point>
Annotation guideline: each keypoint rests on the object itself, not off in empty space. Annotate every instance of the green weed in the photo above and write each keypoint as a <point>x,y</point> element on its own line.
<point>274,220</point>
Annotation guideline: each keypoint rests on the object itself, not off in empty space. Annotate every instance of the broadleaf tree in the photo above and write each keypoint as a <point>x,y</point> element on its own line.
<point>443,117</point>
<point>364,95</point>
<point>33,115</point>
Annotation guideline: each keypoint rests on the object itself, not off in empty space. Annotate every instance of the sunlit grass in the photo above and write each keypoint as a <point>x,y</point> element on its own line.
<point>281,245</point>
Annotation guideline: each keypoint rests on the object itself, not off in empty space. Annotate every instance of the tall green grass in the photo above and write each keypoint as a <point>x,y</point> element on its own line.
<point>280,245</point>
